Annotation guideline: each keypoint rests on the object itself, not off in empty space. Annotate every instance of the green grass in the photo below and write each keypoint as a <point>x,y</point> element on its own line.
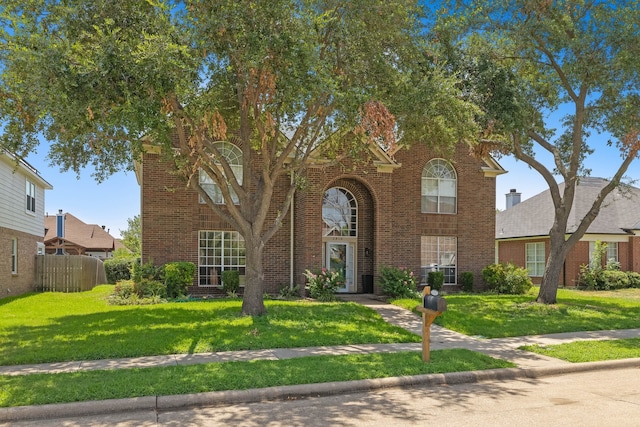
<point>53,327</point>
<point>496,316</point>
<point>39,389</point>
<point>590,351</point>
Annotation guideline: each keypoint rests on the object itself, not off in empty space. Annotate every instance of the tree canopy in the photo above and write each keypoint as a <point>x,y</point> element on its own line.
<point>132,236</point>
<point>276,78</point>
<point>521,60</point>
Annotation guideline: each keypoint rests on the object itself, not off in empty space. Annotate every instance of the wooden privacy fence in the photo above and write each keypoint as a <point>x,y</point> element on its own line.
<point>68,273</point>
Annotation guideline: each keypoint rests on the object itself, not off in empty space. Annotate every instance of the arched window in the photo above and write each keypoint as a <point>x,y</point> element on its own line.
<point>233,155</point>
<point>339,213</point>
<point>439,187</point>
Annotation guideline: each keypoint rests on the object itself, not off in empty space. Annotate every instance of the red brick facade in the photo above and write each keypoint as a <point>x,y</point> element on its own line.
<point>22,281</point>
<point>514,251</point>
<point>390,221</point>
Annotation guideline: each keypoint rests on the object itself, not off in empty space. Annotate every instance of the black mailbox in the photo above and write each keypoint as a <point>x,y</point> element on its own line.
<point>435,303</point>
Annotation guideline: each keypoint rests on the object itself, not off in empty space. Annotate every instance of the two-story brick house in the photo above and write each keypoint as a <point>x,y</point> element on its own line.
<point>414,209</point>
<point>21,223</point>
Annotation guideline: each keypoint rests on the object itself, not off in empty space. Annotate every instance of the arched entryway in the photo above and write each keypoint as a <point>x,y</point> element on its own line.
<point>347,233</point>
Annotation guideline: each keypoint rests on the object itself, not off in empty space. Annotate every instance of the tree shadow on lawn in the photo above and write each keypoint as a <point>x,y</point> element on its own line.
<point>497,316</point>
<point>183,328</point>
<point>10,299</point>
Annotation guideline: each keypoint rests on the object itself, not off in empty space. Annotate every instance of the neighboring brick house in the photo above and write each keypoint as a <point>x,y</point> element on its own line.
<point>66,234</point>
<point>522,230</point>
<point>21,223</point>
<point>414,210</point>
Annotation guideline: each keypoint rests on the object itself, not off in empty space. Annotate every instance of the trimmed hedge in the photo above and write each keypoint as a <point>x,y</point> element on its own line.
<point>118,269</point>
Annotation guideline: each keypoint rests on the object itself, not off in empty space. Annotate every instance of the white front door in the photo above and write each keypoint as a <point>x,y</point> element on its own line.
<point>339,257</point>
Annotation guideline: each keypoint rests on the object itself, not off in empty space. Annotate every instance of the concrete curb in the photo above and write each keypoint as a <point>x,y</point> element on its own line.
<point>165,403</point>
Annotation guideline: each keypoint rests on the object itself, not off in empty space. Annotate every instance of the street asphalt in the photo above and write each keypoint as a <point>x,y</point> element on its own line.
<point>529,365</point>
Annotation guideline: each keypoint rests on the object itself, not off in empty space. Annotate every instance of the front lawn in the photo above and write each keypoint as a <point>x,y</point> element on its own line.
<point>590,351</point>
<point>497,316</point>
<point>98,385</point>
<point>54,327</point>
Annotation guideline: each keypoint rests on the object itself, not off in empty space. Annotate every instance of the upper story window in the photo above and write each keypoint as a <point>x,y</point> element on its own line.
<point>233,155</point>
<point>31,197</point>
<point>339,213</point>
<point>439,187</point>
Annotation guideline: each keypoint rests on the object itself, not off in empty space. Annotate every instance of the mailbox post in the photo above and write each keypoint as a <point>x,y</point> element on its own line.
<point>432,307</point>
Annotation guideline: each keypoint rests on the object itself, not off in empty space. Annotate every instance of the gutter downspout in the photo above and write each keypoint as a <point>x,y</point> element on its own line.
<point>291,246</point>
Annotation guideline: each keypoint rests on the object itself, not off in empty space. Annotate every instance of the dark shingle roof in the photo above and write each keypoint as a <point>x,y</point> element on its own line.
<point>534,217</point>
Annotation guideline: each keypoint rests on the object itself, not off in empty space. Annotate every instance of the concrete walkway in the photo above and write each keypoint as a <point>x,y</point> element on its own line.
<point>529,365</point>
<point>501,348</point>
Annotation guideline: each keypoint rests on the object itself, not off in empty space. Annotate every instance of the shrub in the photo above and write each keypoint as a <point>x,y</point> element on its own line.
<point>614,279</point>
<point>123,289</point>
<point>397,282</point>
<point>323,285</point>
<point>150,288</point>
<point>287,292</point>
<point>506,279</point>
<point>435,280</point>
<point>634,279</point>
<point>177,277</point>
<point>230,281</point>
<point>147,270</point>
<point>124,293</point>
<point>493,276</point>
<point>588,277</point>
<point>466,280</point>
<point>118,269</point>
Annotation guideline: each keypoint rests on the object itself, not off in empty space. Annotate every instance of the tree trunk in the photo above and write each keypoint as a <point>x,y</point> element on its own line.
<point>252,300</point>
<point>553,268</point>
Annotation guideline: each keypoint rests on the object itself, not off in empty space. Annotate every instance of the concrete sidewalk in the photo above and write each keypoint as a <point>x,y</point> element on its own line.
<point>529,366</point>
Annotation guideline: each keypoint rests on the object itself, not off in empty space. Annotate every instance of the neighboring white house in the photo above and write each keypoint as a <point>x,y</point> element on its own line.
<point>21,223</point>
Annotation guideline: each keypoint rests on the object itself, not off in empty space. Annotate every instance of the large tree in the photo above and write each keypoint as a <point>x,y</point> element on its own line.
<point>276,78</point>
<point>132,236</point>
<point>523,59</point>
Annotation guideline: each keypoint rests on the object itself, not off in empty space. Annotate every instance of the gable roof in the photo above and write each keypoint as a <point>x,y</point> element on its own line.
<point>88,236</point>
<point>533,217</point>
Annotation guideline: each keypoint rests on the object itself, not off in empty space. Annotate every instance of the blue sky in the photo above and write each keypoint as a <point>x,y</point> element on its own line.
<point>109,203</point>
<point>604,162</point>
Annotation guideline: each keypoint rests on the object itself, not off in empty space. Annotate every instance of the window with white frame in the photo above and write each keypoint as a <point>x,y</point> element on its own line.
<point>611,253</point>
<point>14,256</point>
<point>339,213</point>
<point>439,253</point>
<point>535,258</point>
<point>219,251</point>
<point>233,156</point>
<point>31,197</point>
<point>439,187</point>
